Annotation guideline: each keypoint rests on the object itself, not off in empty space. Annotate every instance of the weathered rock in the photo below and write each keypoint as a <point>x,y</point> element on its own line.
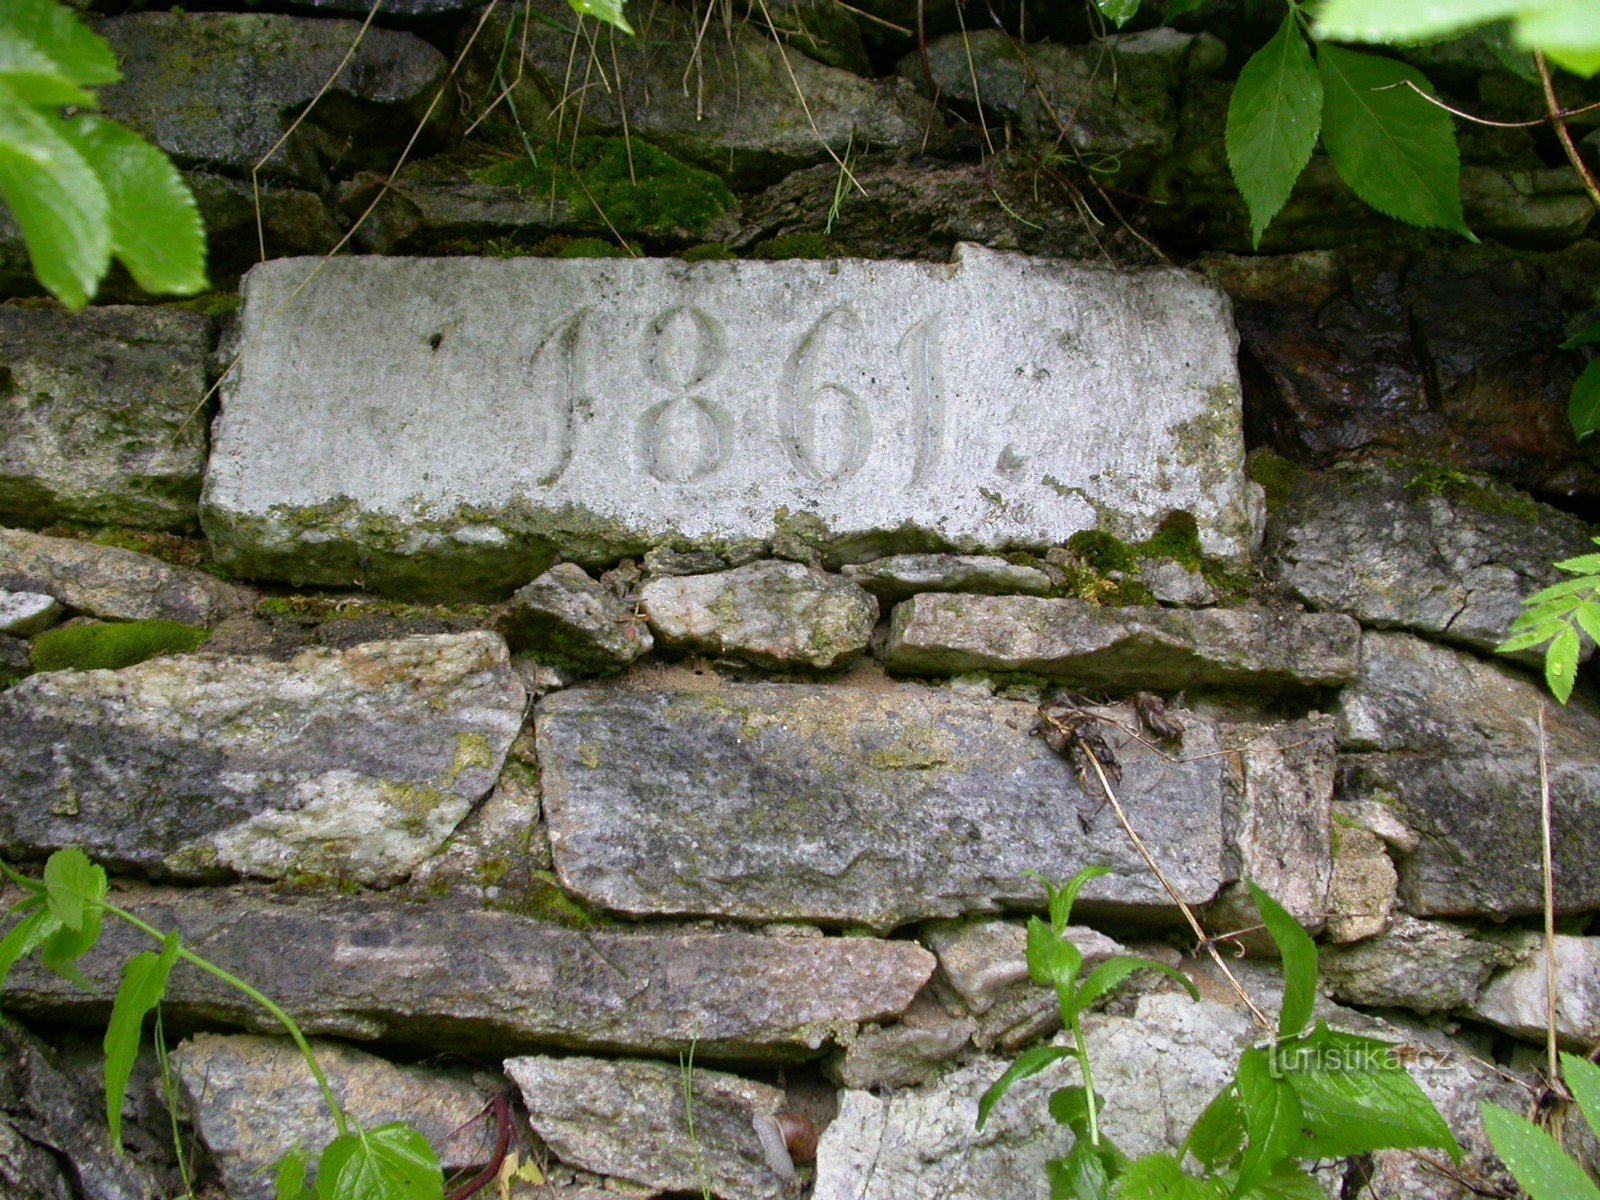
<point>632,1121</point>
<point>1447,742</point>
<point>292,221</point>
<point>1517,999</point>
<point>1078,643</point>
<point>566,618</point>
<point>23,614</point>
<point>905,1054</point>
<point>445,978</point>
<point>220,89</point>
<point>1171,582</point>
<point>253,1100</point>
<point>848,422</point>
<point>773,614</point>
<point>14,658</point>
<point>894,578</point>
<point>99,419</point>
<point>983,960</point>
<point>751,109</point>
<point>1364,888</point>
<point>1434,552</point>
<point>354,765</point>
<point>798,801</point>
<point>1424,966</point>
<point>1536,209</point>
<point>112,583</point>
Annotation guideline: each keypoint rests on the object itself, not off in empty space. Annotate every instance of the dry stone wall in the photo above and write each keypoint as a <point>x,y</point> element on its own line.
<point>539,660</point>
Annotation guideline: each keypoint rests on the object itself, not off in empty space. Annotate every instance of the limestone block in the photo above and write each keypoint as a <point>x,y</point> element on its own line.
<point>897,576</point>
<point>355,765</point>
<point>568,619</point>
<point>1516,999</point>
<point>1425,966</point>
<point>602,407</point>
<point>1364,887</point>
<point>23,614</point>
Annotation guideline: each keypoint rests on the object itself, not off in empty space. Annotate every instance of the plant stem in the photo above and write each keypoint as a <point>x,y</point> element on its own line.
<point>1548,870</point>
<point>233,981</point>
<point>1553,105</point>
<point>1088,1081</point>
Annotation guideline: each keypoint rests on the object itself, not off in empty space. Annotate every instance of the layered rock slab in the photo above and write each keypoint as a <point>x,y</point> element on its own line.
<point>355,765</point>
<point>602,407</point>
<point>1082,644</point>
<point>451,978</point>
<point>798,801</point>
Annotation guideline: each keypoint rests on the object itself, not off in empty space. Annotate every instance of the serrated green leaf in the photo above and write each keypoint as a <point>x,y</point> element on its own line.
<point>1052,960</point>
<point>26,882</point>
<point>1583,405</point>
<point>1081,1175</point>
<point>1217,1136</point>
<point>1063,898</point>
<point>1561,663</point>
<point>1548,616</point>
<point>1413,21</point>
<point>1038,1059</point>
<point>1567,587</point>
<point>1356,1097</point>
<point>1395,150</point>
<point>289,1182</point>
<point>1533,1157</point>
<point>1180,8</point>
<point>1273,120</point>
<point>609,11</point>
<point>391,1162</point>
<point>78,53</point>
<point>1299,955</point>
<point>23,938</point>
<point>1113,971</point>
<point>35,77</point>
<point>1289,1181</point>
<point>1583,1081</point>
<point>1272,1119</point>
<point>155,227</point>
<point>1567,32</point>
<point>144,983</point>
<point>1527,639</point>
<point>1069,1106</point>
<point>57,201</point>
<point>1119,12</point>
<point>1589,335</point>
<point>1588,615</point>
<point>1159,1177</point>
<point>63,948</point>
<point>1584,564</point>
<point>71,882</point>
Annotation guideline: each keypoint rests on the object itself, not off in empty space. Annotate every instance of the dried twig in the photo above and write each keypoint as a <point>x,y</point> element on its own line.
<point>1553,105</point>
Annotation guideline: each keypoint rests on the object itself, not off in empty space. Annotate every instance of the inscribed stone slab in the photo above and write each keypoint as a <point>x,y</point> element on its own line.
<point>451,426</point>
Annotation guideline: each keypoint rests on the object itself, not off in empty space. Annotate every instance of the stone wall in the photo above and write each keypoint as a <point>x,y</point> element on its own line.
<point>608,627</point>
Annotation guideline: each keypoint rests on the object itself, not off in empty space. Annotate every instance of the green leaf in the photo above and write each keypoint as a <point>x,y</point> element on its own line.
<point>1273,119</point>
<point>1217,1136</point>
<point>289,1183</point>
<point>35,77</point>
<point>79,54</point>
<point>1272,1119</point>
<point>1566,31</point>
<point>1356,1097</point>
<point>23,938</point>
<point>1561,663</point>
<point>391,1162</point>
<point>1179,8</point>
<point>1583,1081</point>
<point>1533,1157</point>
<point>1069,1106</point>
<point>1567,587</point>
<point>1584,564</point>
<point>1158,1177</point>
<point>1113,971</point>
<point>26,882</point>
<point>1588,614</point>
<point>1119,12</point>
<point>1583,405</point>
<point>1395,150</point>
<point>1587,336</point>
<point>609,11</point>
<point>1026,1066</point>
<point>155,226</point>
<point>144,982</point>
<point>71,883</point>
<point>1051,958</point>
<point>64,947</point>
<point>57,201</point>
<point>1412,21</point>
<point>1528,639</point>
<point>1081,1175</point>
<point>1289,1181</point>
<point>1299,955</point>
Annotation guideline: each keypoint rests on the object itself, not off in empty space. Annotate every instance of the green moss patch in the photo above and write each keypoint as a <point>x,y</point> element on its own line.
<point>112,646</point>
<point>591,248</point>
<point>797,245</point>
<point>708,252</point>
<point>657,194</point>
<point>1473,491</point>
<point>1277,476</point>
<point>544,899</point>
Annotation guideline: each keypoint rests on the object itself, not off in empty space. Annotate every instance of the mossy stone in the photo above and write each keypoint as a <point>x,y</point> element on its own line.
<point>112,646</point>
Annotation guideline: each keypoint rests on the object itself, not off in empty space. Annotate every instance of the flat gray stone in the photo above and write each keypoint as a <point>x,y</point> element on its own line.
<point>1424,966</point>
<point>1445,554</point>
<point>632,1121</point>
<point>894,578</point>
<point>568,619</point>
<point>1516,1000</point>
<point>353,765</point>
<point>905,1054</point>
<point>462,979</point>
<point>807,802</point>
<point>112,583</point>
<point>983,960</point>
<point>773,614</point>
<point>100,416</point>
<point>603,407</point>
<point>1173,583</point>
<point>1447,743</point>
<point>23,614</point>
<point>253,1100</point>
<point>1081,644</point>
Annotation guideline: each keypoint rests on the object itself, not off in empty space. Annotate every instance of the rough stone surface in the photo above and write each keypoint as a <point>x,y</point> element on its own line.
<point>98,416</point>
<point>983,960</point>
<point>253,1101</point>
<point>1516,1000</point>
<point>23,614</point>
<point>112,583</point>
<point>354,765</point>
<point>567,618</point>
<point>14,658</point>
<point>1447,742</point>
<point>751,110</point>
<point>905,1054</point>
<point>440,977</point>
<point>1425,966</point>
<point>773,614</point>
<point>849,405</point>
<point>1175,584</point>
<point>1443,554</point>
<point>1078,643</point>
<point>631,1121</point>
<point>184,75</point>
<point>1364,888</point>
<point>798,801</point>
<point>894,578</point>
